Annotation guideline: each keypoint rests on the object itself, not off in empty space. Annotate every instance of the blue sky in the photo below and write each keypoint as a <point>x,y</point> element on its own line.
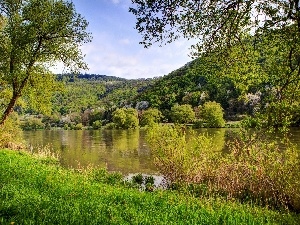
<point>115,49</point>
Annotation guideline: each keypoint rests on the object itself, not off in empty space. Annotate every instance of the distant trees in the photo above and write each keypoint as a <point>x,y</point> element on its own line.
<point>125,118</point>
<point>32,124</point>
<point>182,114</point>
<point>211,113</point>
<point>150,117</point>
<point>255,43</point>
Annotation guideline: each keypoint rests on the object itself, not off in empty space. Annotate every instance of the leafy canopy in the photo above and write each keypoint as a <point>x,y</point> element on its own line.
<point>182,114</point>
<point>258,42</point>
<point>215,23</point>
<point>35,35</point>
<point>125,118</point>
<point>212,114</point>
<point>150,117</point>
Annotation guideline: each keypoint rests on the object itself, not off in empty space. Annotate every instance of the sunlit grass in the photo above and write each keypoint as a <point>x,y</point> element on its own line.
<point>32,192</point>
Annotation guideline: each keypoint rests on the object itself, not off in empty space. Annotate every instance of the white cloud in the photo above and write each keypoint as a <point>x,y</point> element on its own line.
<point>125,58</point>
<point>120,59</point>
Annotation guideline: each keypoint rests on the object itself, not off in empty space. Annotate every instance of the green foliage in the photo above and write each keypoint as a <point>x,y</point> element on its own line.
<point>212,114</point>
<point>214,23</point>
<point>97,125</point>
<point>177,159</point>
<point>52,120</point>
<point>96,115</point>
<point>126,118</point>
<point>139,179</point>
<point>110,126</point>
<point>143,182</point>
<point>195,83</point>
<point>255,169</point>
<point>34,193</point>
<point>103,176</point>
<point>32,123</point>
<point>10,133</point>
<point>78,126</point>
<point>150,117</point>
<point>182,114</point>
<point>78,96</point>
<point>193,98</point>
<point>38,94</point>
<point>35,35</point>
<point>252,46</point>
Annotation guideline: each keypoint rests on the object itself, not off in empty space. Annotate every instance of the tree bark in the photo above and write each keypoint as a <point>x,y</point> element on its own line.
<point>9,108</point>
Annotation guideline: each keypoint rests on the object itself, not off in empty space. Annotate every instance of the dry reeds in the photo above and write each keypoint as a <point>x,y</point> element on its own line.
<point>254,170</point>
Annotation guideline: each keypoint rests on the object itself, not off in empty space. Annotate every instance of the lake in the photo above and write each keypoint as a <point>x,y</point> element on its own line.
<point>117,150</point>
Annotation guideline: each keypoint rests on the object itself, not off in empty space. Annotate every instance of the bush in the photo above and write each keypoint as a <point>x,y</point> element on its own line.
<point>182,114</point>
<point>150,117</point>
<point>198,124</point>
<point>32,124</point>
<point>96,115</point>
<point>97,124</point>
<point>110,126</point>
<point>66,127</point>
<point>255,170</point>
<point>78,126</point>
<point>178,160</point>
<point>212,114</point>
<point>125,118</point>
<point>11,134</point>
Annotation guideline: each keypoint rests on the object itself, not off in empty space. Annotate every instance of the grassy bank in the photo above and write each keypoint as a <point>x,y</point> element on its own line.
<point>35,190</point>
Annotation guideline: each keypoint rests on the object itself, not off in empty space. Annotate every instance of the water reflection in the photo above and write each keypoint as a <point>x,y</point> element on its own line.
<point>124,151</point>
<point>118,150</point>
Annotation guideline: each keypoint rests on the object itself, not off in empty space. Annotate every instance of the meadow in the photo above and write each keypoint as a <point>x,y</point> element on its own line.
<point>35,189</point>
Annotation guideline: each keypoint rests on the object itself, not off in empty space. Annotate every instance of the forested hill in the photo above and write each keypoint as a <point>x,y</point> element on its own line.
<point>91,91</point>
<point>194,83</point>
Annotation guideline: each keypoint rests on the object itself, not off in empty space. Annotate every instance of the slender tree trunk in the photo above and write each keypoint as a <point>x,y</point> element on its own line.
<point>9,108</point>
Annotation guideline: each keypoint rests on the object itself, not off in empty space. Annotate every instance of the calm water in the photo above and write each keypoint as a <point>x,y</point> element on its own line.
<point>118,150</point>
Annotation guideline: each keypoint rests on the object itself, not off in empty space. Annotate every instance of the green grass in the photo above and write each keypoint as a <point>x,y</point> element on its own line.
<point>34,190</point>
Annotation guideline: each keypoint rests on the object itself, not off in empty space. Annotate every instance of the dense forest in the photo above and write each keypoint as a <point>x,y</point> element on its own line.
<point>83,99</point>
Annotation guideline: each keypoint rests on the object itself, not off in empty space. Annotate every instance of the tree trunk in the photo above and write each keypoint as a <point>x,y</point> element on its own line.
<point>9,108</point>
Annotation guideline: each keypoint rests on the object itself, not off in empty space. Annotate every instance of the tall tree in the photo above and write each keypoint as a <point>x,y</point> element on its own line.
<point>258,40</point>
<point>35,35</point>
<point>216,23</point>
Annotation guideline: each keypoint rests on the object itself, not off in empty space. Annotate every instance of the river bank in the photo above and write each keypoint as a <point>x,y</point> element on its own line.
<point>34,189</point>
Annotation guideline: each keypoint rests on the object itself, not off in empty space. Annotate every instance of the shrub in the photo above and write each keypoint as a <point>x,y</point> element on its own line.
<point>182,114</point>
<point>66,127</point>
<point>32,124</point>
<point>150,117</point>
<point>96,115</point>
<point>254,170</point>
<point>11,134</point>
<point>212,114</point>
<point>178,160</point>
<point>97,124</point>
<point>78,126</point>
<point>125,118</point>
<point>110,126</point>
<point>198,124</point>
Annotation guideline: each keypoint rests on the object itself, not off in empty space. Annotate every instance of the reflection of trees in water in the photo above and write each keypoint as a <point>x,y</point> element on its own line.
<point>126,141</point>
<point>119,150</point>
<point>125,154</point>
